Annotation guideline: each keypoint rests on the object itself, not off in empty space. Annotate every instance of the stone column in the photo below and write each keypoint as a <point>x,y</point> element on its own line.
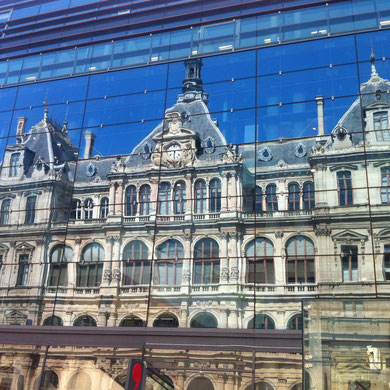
<point>224,272</point>
<point>301,197</point>
<point>153,195</point>
<point>180,381</point>
<point>186,273</point>
<point>232,204</point>
<point>119,199</point>
<point>72,267</point>
<point>223,323</point>
<point>107,265</point>
<point>279,259</point>
<point>111,199</point>
<point>189,194</point>
<point>233,319</point>
<point>233,255</point>
<point>116,261</point>
<point>224,192</point>
<point>264,198</point>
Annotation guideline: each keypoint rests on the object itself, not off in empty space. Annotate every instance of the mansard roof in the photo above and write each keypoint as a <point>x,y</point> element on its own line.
<point>48,144</point>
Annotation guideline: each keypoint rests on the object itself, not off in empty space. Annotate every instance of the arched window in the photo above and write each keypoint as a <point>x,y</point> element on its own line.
<point>166,320</point>
<point>14,165</point>
<point>48,382</point>
<point>204,320</point>
<point>308,196</point>
<point>262,322</point>
<point>144,200</point>
<point>4,213</point>
<point>260,386</point>
<point>53,321</point>
<point>300,260</point>
<point>200,383</point>
<point>131,201</point>
<point>179,197</point>
<point>386,262</point>
<point>258,199</point>
<point>89,271</point>
<point>295,322</point>
<point>215,196</point>
<point>76,211</point>
<point>88,208</point>
<point>271,197</point>
<point>60,256</point>
<point>104,208</point>
<point>344,187</point>
<point>293,196</point>
<point>85,321</point>
<point>206,261</point>
<point>381,126</point>
<point>169,263</point>
<point>385,188</point>
<point>200,196</point>
<point>260,261</point>
<point>30,209</point>
<point>136,264</point>
<point>80,380</point>
<point>164,199</point>
<point>132,321</point>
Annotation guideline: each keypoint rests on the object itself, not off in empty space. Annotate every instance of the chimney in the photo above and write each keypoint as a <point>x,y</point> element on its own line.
<point>89,142</point>
<point>20,128</point>
<point>320,115</point>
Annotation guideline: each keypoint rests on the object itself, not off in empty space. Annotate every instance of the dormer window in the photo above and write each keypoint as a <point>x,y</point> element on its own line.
<point>381,126</point>
<point>14,165</point>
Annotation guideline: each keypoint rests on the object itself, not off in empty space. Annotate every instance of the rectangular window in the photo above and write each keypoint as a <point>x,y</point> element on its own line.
<point>381,126</point>
<point>4,212</point>
<point>58,275</point>
<point>349,260</point>
<point>23,270</point>
<point>14,165</point>
<point>386,262</point>
<point>344,184</point>
<point>261,271</point>
<point>385,188</point>
<point>30,210</point>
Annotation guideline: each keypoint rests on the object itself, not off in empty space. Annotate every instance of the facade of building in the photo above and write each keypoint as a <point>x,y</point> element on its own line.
<point>193,164</point>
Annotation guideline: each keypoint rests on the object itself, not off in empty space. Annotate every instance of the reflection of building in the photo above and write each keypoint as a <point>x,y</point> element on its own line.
<point>333,363</point>
<point>69,368</point>
<point>204,213</point>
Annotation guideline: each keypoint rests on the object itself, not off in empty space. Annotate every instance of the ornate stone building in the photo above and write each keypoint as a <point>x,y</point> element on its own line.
<point>190,231</point>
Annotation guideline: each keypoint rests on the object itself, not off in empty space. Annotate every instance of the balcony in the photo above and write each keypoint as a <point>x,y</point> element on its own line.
<point>277,214</point>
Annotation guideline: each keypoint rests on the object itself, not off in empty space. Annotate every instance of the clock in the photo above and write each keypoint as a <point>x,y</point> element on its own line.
<point>174,151</point>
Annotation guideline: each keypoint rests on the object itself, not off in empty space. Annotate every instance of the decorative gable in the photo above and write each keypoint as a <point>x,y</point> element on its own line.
<point>349,236</point>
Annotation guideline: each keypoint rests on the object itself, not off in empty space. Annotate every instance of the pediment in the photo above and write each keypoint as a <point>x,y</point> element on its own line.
<point>15,315</point>
<point>173,129</point>
<point>24,246</point>
<point>349,235</point>
<point>384,234</point>
<point>377,105</point>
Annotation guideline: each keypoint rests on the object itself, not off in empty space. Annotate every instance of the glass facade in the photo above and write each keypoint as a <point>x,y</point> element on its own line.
<point>208,177</point>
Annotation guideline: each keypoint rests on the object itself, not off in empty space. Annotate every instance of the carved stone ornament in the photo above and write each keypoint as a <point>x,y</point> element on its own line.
<point>175,145</point>
<point>234,273</point>
<point>230,155</point>
<point>116,274</point>
<point>224,274</point>
<point>107,275</point>
<point>90,170</point>
<point>281,164</point>
<point>117,166</point>
<point>186,275</point>
<point>300,150</point>
<point>279,234</point>
<point>264,154</point>
<point>322,231</point>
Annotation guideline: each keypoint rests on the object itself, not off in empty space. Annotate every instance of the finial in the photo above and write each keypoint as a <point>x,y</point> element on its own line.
<point>46,112</point>
<point>65,124</point>
<point>372,60</point>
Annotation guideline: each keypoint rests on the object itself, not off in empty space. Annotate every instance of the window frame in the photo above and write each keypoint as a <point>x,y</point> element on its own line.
<point>215,195</point>
<point>200,189</point>
<point>5,212</point>
<point>176,263</point>
<point>345,188</point>
<point>179,198</point>
<point>294,196</point>
<point>131,201</point>
<point>211,258</point>
<point>351,259</point>
<point>30,209</point>
<point>306,259</point>
<point>271,197</point>
<point>264,259</point>
<point>385,185</point>
<point>130,264</point>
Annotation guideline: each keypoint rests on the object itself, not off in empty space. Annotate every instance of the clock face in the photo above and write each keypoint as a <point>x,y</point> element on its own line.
<point>174,151</point>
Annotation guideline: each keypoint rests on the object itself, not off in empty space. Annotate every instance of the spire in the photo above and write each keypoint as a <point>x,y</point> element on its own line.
<point>372,60</point>
<point>46,112</point>
<point>192,84</point>
<point>65,124</point>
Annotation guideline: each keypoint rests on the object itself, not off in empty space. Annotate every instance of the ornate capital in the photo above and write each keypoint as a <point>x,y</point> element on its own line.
<point>279,234</point>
